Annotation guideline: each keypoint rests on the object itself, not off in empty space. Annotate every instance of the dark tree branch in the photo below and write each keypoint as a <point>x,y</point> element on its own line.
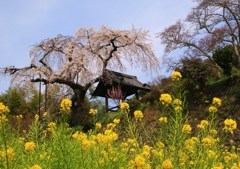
<point>12,70</point>
<point>59,81</point>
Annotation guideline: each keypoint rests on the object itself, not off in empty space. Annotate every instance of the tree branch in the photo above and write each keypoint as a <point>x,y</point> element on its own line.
<point>59,81</point>
<point>12,70</point>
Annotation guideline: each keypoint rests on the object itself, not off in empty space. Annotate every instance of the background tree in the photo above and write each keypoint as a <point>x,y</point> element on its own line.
<point>225,58</point>
<point>78,61</point>
<point>21,99</point>
<point>212,24</point>
<point>15,99</point>
<point>196,71</point>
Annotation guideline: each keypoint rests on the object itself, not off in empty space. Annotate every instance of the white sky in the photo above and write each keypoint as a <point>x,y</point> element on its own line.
<point>24,23</point>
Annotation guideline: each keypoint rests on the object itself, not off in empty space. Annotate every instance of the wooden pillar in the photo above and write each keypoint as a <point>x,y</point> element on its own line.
<point>39,99</point>
<point>106,104</point>
<point>137,96</point>
<point>46,93</point>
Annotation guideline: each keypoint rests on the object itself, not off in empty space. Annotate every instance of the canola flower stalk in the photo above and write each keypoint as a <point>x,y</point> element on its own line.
<point>3,119</point>
<point>130,124</point>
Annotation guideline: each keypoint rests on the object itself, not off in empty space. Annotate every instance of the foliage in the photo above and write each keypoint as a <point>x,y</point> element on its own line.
<point>195,70</point>
<point>235,73</point>
<point>225,59</point>
<point>20,100</point>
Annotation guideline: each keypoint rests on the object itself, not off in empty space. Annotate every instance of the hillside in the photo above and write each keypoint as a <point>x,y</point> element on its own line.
<point>198,100</point>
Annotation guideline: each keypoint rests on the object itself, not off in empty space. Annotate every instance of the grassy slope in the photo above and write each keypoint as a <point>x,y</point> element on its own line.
<point>198,100</point>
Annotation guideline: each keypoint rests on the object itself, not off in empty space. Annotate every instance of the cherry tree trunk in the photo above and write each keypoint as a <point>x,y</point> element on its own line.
<point>80,110</point>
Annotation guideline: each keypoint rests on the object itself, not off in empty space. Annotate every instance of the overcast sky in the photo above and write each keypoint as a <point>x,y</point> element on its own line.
<point>24,23</point>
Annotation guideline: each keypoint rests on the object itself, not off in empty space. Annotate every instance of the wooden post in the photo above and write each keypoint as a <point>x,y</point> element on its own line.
<point>137,96</point>
<point>106,104</point>
<point>46,90</point>
<point>39,99</point>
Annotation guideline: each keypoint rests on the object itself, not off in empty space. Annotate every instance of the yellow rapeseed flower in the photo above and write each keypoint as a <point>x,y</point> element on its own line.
<point>45,114</point>
<point>10,154</point>
<point>81,136</point>
<point>165,99</point>
<point>219,166</point>
<point>3,118</point>
<point>3,108</point>
<point>21,139</point>
<point>138,115</point>
<point>132,150</point>
<point>208,141</point>
<point>111,125</point>
<point>177,102</point>
<point>29,146</point>
<point>52,125</point>
<point>146,151</point>
<point>216,102</point>
<point>212,154</point>
<point>235,166</point>
<point>98,125</point>
<point>146,148</point>
<point>124,146</point>
<point>36,117</point>
<point>183,157</point>
<point>178,109</point>
<point>190,144</point>
<point>212,109</point>
<point>116,121</point>
<point>75,135</point>
<point>230,125</point>
<point>203,124</point>
<point>36,167</point>
<point>163,120</point>
<point>86,144</point>
<point>176,75</point>
<point>187,128</point>
<point>133,142</point>
<point>124,106</point>
<point>160,145</point>
<point>167,164</point>
<point>66,105</point>
<point>213,132</point>
<point>230,157</point>
<point>19,117</point>
<point>110,135</point>
<point>139,161</point>
<point>131,164</point>
<point>93,112</point>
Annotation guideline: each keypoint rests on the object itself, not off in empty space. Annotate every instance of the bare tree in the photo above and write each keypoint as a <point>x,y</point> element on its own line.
<point>78,62</point>
<point>212,24</point>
